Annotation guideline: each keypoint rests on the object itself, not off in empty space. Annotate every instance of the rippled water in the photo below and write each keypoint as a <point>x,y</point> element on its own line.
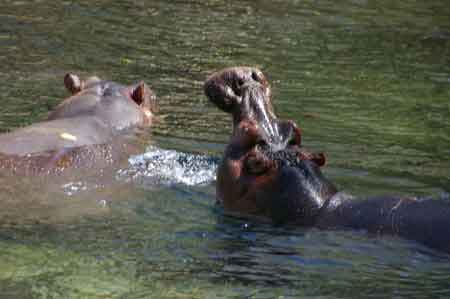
<point>368,82</point>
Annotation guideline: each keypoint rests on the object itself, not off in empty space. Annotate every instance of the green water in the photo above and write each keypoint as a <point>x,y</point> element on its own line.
<point>368,82</point>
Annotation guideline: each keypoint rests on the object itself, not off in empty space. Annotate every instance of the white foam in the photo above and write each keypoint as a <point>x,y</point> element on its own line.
<point>73,187</point>
<point>171,167</point>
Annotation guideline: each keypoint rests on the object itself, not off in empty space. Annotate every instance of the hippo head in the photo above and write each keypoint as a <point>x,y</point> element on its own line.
<point>265,171</point>
<point>119,106</point>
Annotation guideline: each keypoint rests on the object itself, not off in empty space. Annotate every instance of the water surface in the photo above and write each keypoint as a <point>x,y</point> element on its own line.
<point>368,83</point>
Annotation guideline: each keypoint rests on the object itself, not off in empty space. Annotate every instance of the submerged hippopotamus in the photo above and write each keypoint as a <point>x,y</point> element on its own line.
<point>266,173</point>
<point>96,112</point>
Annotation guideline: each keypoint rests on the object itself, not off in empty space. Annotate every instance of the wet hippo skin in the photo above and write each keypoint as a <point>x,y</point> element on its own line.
<point>96,112</point>
<point>266,173</point>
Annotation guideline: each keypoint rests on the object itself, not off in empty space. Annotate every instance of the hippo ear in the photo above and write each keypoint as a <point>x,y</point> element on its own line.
<point>73,83</point>
<point>144,97</point>
<point>138,93</point>
<point>319,159</point>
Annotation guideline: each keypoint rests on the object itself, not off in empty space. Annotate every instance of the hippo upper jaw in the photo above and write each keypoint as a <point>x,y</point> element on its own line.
<point>257,108</point>
<point>224,88</point>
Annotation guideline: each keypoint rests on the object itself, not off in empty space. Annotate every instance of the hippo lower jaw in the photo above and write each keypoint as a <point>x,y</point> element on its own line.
<point>300,194</point>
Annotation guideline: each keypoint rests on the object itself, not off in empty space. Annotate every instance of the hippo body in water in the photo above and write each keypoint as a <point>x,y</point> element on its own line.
<point>266,173</point>
<point>96,112</point>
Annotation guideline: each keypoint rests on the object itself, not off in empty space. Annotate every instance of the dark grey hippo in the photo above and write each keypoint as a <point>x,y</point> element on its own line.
<point>266,173</point>
<point>96,112</point>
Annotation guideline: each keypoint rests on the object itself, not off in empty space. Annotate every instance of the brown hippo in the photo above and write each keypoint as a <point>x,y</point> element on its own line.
<point>266,173</point>
<point>96,112</point>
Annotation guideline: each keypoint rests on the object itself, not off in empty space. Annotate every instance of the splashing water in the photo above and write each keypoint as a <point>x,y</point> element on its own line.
<point>75,187</point>
<point>171,167</point>
<point>72,187</point>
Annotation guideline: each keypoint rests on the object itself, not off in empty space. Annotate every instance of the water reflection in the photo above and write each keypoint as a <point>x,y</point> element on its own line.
<point>302,262</point>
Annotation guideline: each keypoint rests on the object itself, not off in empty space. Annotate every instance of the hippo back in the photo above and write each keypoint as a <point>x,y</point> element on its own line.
<point>55,134</point>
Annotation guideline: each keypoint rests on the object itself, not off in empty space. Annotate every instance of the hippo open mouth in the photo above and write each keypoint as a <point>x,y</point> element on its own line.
<point>265,171</point>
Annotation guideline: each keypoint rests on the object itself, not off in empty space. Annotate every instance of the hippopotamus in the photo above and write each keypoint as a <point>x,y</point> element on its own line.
<point>267,174</point>
<point>96,111</point>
